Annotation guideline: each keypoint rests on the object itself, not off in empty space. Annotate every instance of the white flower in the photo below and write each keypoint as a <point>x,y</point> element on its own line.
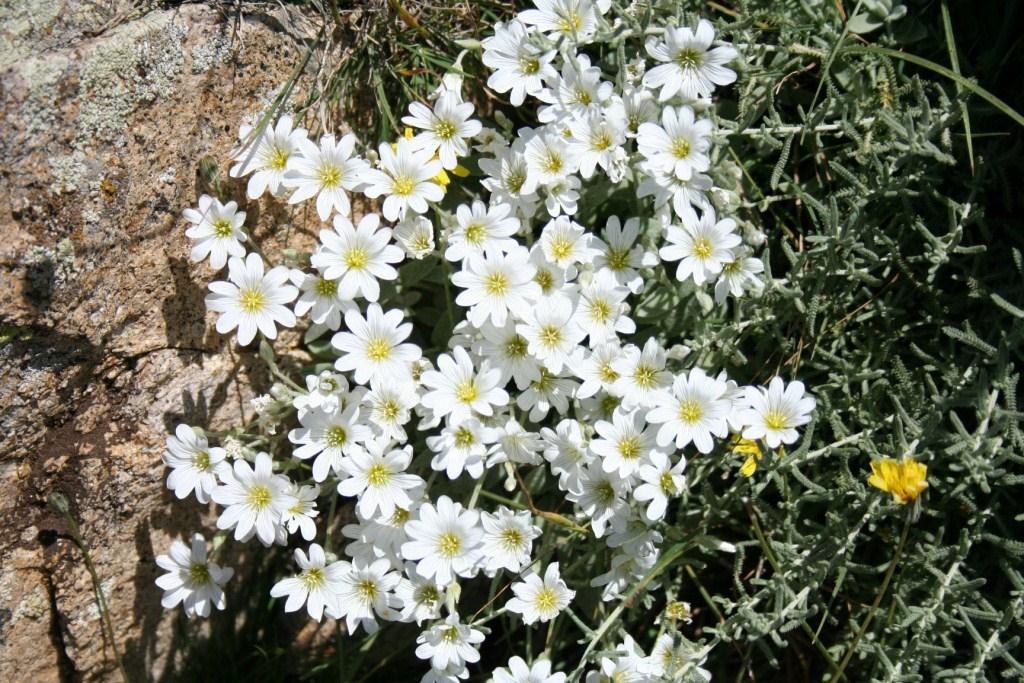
<point>449,644</point>
<point>567,452</point>
<point>497,285</point>
<point>192,579</point>
<point>373,347</point>
<point>421,598</point>
<point>566,243</point>
<point>595,368</point>
<point>194,465</point>
<point>704,246</point>
<point>690,68</point>
<point>416,236</point>
<point>601,309</point>
<point>661,480</point>
<point>444,541</point>
<point>506,350</point>
<point>577,92</point>
<point>625,444</point>
<point>551,332</point>
<point>547,391</point>
<point>552,278</point>
<point>576,20</point>
<point>321,299</point>
<point>635,107</point>
<point>600,496</point>
<point>406,176</point>
<point>595,138</point>
<point>326,171</point>
<point>316,585</point>
<point>376,538</point>
<point>738,275</point>
<point>520,672</point>
<point>445,128</point>
<point>641,374</point>
<point>686,194</point>
<point>508,537</point>
<point>562,197</point>
<point>620,254</point>
<point>254,500</point>
<point>696,408</point>
<point>514,444</point>
<point>326,390</point>
<point>377,476</point>
<point>329,436</point>
<point>267,155</point>
<point>216,230</point>
<point>357,257</point>
<point>773,414</point>
<point>456,388</point>
<point>461,446</point>
<point>680,144</point>
<point>299,517</point>
<point>538,599</point>
<point>548,160</point>
<point>366,590</point>
<point>481,228</point>
<point>389,403</point>
<point>519,66</point>
<point>252,300</point>
<point>506,180</point>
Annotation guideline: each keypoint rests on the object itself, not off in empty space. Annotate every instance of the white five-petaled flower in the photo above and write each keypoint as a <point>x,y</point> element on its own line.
<point>641,374</point>
<point>415,234</point>
<point>388,404</point>
<point>192,579</point>
<point>406,176</point>
<point>266,156</point>
<point>773,414</point>
<point>194,465</point>
<point>357,256</point>
<point>373,345</point>
<point>449,644</point>
<point>497,285</point>
<point>519,66</point>
<point>520,672</point>
<point>626,442</point>
<point>461,446</point>
<point>595,368</point>
<point>620,253</point>
<point>377,477</point>
<point>327,171</point>
<point>689,67</point>
<point>738,275</point>
<point>216,230</point>
<point>299,517</point>
<point>540,599</point>
<point>679,145</point>
<point>661,481</point>
<point>574,19</point>
<point>549,159</point>
<point>252,300</point>
<point>444,541</point>
<point>445,128</point>
<point>601,309</point>
<point>366,590</point>
<point>480,228</point>
<point>329,436</point>
<point>456,388</point>
<point>316,586</point>
<point>704,246</point>
<point>421,598</point>
<point>595,139</point>
<point>566,243</point>
<point>551,333</point>
<point>254,500</point>
<point>508,537</point>
<point>506,349</point>
<point>320,298</point>
<point>696,407</point>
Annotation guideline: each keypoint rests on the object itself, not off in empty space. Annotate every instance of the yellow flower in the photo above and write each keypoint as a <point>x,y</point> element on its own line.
<point>752,450</point>
<point>905,480</point>
<point>441,178</point>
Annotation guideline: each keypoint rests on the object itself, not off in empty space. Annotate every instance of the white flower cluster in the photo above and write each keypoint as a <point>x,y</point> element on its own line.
<point>541,376</point>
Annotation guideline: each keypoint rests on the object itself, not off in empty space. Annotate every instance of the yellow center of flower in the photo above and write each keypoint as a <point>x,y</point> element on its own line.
<point>356,258</point>
<point>378,350</point>
<point>629,448</point>
<point>467,392</point>
<point>583,97</point>
<point>607,373</point>
<point>605,492</point>
<point>546,600</point>
<point>198,574</point>
<point>550,336</point>
<point>690,411</point>
<point>560,248</point>
<point>475,233</point>
<point>444,130</point>
<point>668,485</point>
<point>516,347</point>
<point>252,300</point>
<point>400,517</point>
<point>336,437</point>
<point>450,634</point>
<point>277,160</point>
<point>403,185</point>
<point>464,438</point>
<point>389,409</point>
<point>570,22</point>
<point>600,310</point>
<point>644,376</point>
<point>552,163</point>
<point>378,475</point>
<point>330,176</point>
<point>511,539</point>
<point>775,420</point>
<point>258,497</point>
<point>449,544</point>
<point>529,65</point>
<point>496,284</point>
<point>313,577</point>
<point>222,228</point>
<point>545,382</point>
<point>420,242</point>
<point>326,288</point>
<point>367,590</point>
<point>545,280</point>
<point>600,141</point>
<point>514,180</point>
<point>609,403</point>
<point>680,148</point>
<point>426,594</point>
<point>201,461</point>
<point>688,59</point>
<point>702,248</point>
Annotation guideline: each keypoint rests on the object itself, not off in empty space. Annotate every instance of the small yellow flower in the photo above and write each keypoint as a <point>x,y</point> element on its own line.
<point>905,479</point>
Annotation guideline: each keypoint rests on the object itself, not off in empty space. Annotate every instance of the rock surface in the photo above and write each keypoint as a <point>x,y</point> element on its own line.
<point>104,341</point>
